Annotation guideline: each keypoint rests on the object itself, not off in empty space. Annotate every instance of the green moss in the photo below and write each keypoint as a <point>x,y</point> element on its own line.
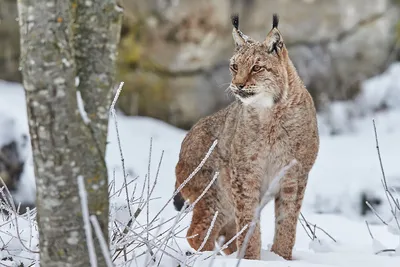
<point>145,94</point>
<point>131,44</point>
<point>398,29</point>
<point>144,91</point>
<point>61,252</point>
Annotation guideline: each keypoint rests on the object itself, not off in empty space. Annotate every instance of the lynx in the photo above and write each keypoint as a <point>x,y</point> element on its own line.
<point>271,122</point>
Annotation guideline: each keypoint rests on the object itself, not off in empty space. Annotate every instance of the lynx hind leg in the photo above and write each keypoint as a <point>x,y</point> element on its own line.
<point>202,218</point>
<point>229,232</point>
<point>205,208</point>
<point>288,204</point>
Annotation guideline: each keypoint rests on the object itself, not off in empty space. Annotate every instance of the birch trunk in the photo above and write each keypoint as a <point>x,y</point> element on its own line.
<point>64,146</point>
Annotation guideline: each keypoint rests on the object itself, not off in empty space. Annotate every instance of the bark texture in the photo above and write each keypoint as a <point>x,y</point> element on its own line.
<point>64,146</point>
<point>96,35</point>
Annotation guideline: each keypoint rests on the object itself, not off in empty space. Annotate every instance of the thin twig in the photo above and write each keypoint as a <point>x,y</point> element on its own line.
<point>102,241</point>
<point>189,178</point>
<point>324,231</point>
<point>379,154</point>
<point>384,181</point>
<point>113,113</point>
<point>86,222</point>
<point>191,207</point>
<point>208,233</point>
<point>375,212</point>
<point>385,250</point>
<point>158,172</point>
<point>305,229</point>
<point>229,242</point>
<point>151,242</point>
<point>369,230</point>
<point>148,187</point>
<point>308,226</point>
<point>144,238</point>
<point>171,229</point>
<point>16,218</point>
<point>184,210</point>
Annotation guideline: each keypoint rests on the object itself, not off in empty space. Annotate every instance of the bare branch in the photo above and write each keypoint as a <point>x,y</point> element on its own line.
<point>102,241</point>
<point>375,212</point>
<point>16,218</point>
<point>208,233</point>
<point>385,250</point>
<point>113,113</point>
<point>369,230</point>
<point>86,222</point>
<point>308,226</point>
<point>189,178</point>
<point>305,229</point>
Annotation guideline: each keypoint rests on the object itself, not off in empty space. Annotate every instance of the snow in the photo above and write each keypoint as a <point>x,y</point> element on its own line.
<point>388,94</point>
<point>347,167</point>
<point>14,126</point>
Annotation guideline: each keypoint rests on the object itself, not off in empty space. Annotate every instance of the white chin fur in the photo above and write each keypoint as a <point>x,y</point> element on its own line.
<point>262,100</point>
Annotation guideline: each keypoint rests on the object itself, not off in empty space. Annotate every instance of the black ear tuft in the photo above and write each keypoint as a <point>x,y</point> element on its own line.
<point>275,20</point>
<point>235,20</point>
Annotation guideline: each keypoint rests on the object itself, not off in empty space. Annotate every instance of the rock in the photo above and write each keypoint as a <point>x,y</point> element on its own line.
<point>11,166</point>
<point>171,61</point>
<point>14,147</point>
<point>186,45</point>
<point>9,41</point>
<point>174,54</point>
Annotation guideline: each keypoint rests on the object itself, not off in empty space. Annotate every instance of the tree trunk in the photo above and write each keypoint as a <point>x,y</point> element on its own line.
<point>96,35</point>
<point>96,30</point>
<point>64,145</point>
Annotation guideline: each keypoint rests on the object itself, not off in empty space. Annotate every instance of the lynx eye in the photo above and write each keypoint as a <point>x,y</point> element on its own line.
<point>256,68</point>
<point>234,67</point>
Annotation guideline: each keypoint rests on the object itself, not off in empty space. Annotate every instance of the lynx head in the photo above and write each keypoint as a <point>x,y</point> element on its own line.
<point>259,69</point>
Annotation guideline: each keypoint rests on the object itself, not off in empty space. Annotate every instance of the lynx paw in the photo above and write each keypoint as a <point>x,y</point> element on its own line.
<point>285,253</point>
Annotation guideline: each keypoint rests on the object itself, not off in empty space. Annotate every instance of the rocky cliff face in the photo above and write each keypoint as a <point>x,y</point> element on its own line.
<point>174,53</point>
<point>9,41</point>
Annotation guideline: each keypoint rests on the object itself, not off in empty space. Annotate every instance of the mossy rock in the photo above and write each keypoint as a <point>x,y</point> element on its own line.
<point>9,41</point>
<point>145,94</point>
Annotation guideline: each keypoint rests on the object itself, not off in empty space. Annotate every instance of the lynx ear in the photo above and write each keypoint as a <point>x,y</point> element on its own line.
<point>274,40</point>
<point>239,38</point>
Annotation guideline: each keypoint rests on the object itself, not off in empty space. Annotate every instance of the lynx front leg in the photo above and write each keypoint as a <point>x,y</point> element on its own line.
<point>246,196</point>
<point>287,208</point>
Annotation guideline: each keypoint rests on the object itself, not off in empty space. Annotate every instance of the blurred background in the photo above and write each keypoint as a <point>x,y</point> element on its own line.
<point>174,53</point>
<point>173,58</point>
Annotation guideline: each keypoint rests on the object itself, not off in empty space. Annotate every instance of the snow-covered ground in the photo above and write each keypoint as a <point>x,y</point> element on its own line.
<point>347,167</point>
